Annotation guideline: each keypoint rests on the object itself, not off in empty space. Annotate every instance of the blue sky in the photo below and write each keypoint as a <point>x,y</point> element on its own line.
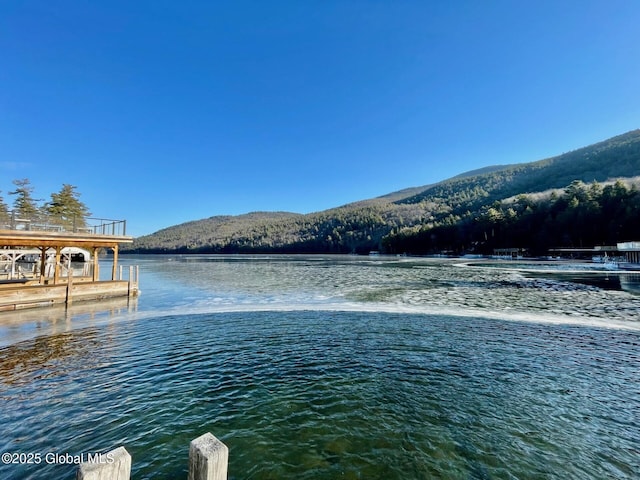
<point>162,112</point>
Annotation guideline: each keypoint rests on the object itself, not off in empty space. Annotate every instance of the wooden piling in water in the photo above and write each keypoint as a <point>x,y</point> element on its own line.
<point>115,465</point>
<point>208,458</point>
<point>69,299</point>
<point>130,280</point>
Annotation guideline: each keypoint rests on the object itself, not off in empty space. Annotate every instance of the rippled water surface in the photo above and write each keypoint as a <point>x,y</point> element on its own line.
<point>335,367</point>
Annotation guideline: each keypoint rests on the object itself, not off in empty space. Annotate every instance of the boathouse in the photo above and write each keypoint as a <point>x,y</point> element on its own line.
<point>45,264</point>
<point>597,253</point>
<point>631,252</point>
<point>512,253</point>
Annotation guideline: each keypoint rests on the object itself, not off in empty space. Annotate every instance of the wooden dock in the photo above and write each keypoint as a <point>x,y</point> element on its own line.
<point>52,281</point>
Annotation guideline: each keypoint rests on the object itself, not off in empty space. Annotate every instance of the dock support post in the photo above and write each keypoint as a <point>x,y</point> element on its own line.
<point>114,465</point>
<point>96,265</point>
<point>43,264</point>
<point>56,271</point>
<point>69,298</point>
<point>130,284</point>
<point>114,267</point>
<point>208,458</point>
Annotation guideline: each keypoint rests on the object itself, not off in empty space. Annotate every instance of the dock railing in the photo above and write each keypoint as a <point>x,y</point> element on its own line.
<point>103,226</point>
<point>208,460</point>
<point>49,223</point>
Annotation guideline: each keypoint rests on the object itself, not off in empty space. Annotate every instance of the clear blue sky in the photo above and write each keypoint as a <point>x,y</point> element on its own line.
<point>161,112</point>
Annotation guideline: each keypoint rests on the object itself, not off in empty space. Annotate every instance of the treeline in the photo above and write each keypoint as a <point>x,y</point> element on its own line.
<point>618,157</point>
<point>579,216</point>
<point>465,213</point>
<point>348,229</point>
<point>63,208</point>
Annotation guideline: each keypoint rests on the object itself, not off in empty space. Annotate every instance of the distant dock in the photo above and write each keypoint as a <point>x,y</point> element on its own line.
<point>43,264</point>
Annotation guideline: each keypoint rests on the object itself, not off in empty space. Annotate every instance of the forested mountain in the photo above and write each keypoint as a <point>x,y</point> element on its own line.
<point>474,211</point>
<point>578,216</point>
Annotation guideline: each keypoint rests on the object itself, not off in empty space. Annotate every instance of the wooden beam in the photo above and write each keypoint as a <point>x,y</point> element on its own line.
<point>96,265</point>
<point>56,274</point>
<point>115,464</point>
<point>69,298</point>
<point>17,297</point>
<point>115,263</point>
<point>43,263</point>
<point>22,238</point>
<point>208,458</point>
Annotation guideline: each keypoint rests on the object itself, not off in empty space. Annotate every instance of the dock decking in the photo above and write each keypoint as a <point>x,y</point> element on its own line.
<point>53,281</point>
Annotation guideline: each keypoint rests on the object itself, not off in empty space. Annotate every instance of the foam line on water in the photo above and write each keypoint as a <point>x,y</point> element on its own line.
<point>13,332</point>
<point>514,316</point>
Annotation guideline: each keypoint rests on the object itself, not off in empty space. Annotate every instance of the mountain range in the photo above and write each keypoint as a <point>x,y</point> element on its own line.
<point>373,224</point>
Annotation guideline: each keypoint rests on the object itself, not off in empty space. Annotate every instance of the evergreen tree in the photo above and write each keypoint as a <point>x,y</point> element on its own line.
<point>24,205</point>
<point>4,213</point>
<point>67,209</point>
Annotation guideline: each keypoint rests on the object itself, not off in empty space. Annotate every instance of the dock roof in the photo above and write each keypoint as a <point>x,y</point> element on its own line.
<point>25,238</point>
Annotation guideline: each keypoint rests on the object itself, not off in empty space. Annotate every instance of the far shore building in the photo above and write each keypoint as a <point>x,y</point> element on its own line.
<point>512,253</point>
<point>631,251</point>
<point>625,254</point>
<point>598,252</point>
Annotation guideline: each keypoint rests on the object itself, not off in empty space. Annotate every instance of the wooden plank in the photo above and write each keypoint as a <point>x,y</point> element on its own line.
<point>24,296</point>
<point>114,267</point>
<point>208,458</point>
<point>43,263</point>
<point>69,291</point>
<point>56,274</point>
<point>15,281</point>
<point>23,238</point>
<point>97,290</point>
<point>96,265</point>
<point>16,297</point>
<point>114,465</point>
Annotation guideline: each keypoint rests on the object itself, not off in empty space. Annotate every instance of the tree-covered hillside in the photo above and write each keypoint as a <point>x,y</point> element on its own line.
<point>406,221</point>
<point>613,158</point>
<point>578,216</point>
<point>351,228</point>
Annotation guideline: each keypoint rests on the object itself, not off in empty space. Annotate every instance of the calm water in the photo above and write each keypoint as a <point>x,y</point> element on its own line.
<point>336,367</point>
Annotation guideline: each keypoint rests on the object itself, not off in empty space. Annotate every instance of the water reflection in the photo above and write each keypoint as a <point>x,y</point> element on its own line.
<point>615,281</point>
<point>630,282</point>
<point>44,357</point>
<point>19,325</point>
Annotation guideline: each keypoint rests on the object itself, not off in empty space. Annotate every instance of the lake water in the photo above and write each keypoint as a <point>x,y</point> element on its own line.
<point>318,367</point>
